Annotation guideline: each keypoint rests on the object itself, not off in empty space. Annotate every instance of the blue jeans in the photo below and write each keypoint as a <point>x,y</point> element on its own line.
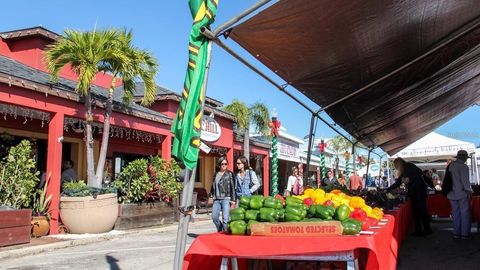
<point>224,206</point>
<point>461,216</point>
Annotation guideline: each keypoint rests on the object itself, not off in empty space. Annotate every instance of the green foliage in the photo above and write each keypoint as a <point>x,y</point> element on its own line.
<point>41,202</point>
<point>256,115</point>
<point>18,177</point>
<point>80,189</point>
<point>165,174</point>
<point>133,182</point>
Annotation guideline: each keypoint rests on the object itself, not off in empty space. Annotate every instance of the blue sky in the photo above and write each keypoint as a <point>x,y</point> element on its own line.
<point>163,27</point>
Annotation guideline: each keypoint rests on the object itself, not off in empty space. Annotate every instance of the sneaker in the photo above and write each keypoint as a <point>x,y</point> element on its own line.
<point>455,236</point>
<point>468,237</point>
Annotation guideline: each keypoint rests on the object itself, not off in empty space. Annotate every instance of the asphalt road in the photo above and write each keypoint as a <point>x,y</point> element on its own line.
<point>136,252</point>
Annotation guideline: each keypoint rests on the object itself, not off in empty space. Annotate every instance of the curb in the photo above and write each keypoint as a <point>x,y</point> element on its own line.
<point>32,250</point>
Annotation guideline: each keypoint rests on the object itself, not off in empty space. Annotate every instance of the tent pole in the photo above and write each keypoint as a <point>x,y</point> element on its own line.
<point>310,142</point>
<point>212,37</point>
<point>368,166</point>
<point>240,16</point>
<point>187,193</point>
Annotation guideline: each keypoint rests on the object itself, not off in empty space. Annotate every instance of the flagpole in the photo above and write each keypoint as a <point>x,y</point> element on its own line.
<point>187,193</point>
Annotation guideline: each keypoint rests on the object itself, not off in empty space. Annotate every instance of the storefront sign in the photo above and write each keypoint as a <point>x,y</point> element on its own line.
<point>211,130</point>
<point>324,228</point>
<point>287,149</point>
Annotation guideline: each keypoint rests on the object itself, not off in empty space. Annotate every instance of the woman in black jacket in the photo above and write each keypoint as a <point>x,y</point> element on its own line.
<point>412,177</point>
<point>223,193</point>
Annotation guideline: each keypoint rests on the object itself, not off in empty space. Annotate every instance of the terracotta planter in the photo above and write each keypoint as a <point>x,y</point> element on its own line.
<point>88,214</point>
<point>40,226</point>
<point>15,226</point>
<point>145,215</point>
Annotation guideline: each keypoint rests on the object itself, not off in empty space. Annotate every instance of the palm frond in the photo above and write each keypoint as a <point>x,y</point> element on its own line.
<point>260,117</point>
<point>241,113</point>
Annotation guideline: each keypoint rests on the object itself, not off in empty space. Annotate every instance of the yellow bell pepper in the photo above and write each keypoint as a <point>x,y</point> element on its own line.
<point>367,209</point>
<point>357,202</point>
<point>320,200</point>
<point>376,213</point>
<point>308,192</point>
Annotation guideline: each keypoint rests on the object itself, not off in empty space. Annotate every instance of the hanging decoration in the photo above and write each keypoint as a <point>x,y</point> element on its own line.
<point>346,155</point>
<point>12,111</point>
<point>322,147</point>
<point>274,126</point>
<point>78,126</point>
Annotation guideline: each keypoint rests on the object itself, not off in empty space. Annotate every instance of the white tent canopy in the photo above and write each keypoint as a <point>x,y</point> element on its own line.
<point>434,147</point>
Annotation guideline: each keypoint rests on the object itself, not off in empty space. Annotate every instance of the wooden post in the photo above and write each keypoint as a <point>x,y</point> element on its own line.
<point>167,147</point>
<point>54,166</point>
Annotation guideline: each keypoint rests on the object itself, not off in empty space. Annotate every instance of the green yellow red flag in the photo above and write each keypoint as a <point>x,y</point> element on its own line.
<point>186,125</point>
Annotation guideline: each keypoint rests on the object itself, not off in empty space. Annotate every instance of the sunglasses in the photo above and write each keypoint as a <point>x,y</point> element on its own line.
<point>223,163</point>
<point>238,163</point>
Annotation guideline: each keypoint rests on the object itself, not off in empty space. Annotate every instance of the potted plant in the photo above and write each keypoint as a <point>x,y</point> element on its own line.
<point>41,214</point>
<point>18,180</point>
<point>85,209</point>
<point>145,191</point>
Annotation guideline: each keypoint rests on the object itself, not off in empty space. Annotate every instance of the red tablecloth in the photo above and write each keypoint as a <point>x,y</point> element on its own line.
<point>207,250</point>
<point>403,225</point>
<point>439,205</point>
<point>475,204</point>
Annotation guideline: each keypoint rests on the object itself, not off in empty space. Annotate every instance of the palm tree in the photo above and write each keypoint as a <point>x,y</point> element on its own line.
<point>339,145</point>
<point>256,116</point>
<point>109,51</point>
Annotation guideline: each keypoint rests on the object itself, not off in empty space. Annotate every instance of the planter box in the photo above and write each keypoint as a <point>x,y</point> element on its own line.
<point>15,227</point>
<point>145,215</point>
<point>88,214</point>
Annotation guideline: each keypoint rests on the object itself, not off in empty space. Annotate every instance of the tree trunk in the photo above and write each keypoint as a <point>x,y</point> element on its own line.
<point>246,145</point>
<point>105,135</point>
<point>89,142</point>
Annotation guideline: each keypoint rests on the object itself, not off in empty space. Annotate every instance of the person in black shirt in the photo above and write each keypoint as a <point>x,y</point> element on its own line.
<point>412,177</point>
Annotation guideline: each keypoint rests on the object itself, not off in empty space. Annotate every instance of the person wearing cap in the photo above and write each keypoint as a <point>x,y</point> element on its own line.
<point>460,196</point>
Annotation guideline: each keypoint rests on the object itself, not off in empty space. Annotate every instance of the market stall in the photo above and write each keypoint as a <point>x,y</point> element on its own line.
<point>207,251</point>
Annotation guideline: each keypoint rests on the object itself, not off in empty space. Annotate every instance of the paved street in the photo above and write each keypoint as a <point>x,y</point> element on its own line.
<point>138,251</point>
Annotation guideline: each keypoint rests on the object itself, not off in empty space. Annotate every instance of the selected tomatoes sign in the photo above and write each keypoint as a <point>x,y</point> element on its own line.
<point>211,130</point>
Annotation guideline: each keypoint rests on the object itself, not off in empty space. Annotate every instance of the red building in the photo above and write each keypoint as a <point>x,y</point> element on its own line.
<point>51,116</point>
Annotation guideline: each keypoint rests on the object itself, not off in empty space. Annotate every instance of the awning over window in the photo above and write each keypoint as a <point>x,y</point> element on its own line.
<point>330,49</point>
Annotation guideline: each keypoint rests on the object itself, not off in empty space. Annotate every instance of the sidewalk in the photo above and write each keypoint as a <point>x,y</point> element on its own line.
<point>52,242</point>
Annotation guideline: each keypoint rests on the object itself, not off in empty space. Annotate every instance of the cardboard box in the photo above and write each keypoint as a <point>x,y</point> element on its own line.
<point>317,228</point>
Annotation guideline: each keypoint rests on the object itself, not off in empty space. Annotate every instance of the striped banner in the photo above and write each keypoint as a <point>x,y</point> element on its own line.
<point>186,126</point>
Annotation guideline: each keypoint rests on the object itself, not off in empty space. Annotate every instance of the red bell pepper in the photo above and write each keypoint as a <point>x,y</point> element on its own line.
<point>328,203</point>
<point>359,214</point>
<point>308,201</point>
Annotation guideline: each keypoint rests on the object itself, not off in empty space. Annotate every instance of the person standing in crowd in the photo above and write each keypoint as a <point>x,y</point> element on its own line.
<point>329,180</point>
<point>427,177</point>
<point>409,174</point>
<point>460,195</point>
<point>223,193</point>
<point>341,180</point>
<point>295,183</point>
<point>355,182</point>
<point>246,179</point>
<point>69,173</point>
<point>435,178</point>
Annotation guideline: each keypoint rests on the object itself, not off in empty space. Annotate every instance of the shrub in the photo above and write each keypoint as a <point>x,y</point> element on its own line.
<point>80,189</point>
<point>165,174</point>
<point>133,182</point>
<point>18,176</point>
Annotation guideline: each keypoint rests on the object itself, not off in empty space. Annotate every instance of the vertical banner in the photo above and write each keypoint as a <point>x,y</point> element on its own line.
<point>186,125</point>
